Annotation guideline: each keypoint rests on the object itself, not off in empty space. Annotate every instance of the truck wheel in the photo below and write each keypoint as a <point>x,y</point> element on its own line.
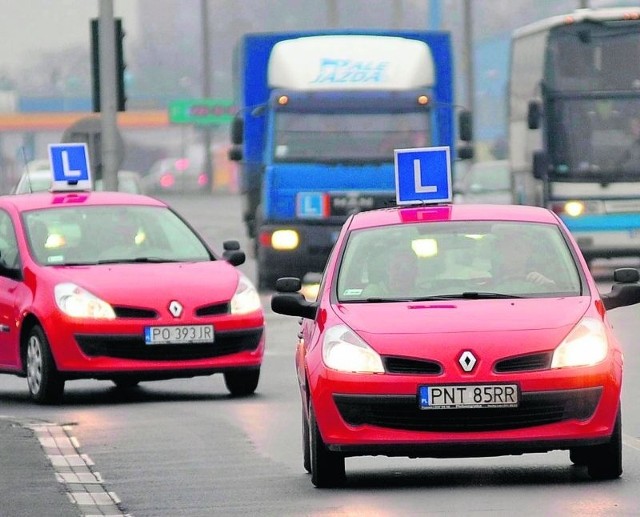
<point>46,385</point>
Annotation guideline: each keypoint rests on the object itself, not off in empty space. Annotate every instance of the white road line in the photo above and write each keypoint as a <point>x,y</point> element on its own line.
<point>630,441</point>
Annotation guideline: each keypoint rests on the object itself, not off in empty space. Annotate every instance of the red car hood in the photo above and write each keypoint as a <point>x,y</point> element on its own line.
<point>502,325</point>
<point>145,284</point>
<point>464,315</point>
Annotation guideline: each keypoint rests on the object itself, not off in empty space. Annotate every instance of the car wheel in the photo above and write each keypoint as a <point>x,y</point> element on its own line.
<point>46,385</point>
<point>125,383</point>
<point>241,383</point>
<point>327,467</point>
<point>605,461</point>
<point>579,456</point>
<point>306,449</point>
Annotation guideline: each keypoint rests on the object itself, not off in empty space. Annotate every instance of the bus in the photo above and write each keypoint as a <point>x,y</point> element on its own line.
<point>573,115</point>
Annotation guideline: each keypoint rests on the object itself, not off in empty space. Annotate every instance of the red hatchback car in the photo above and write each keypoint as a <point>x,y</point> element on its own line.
<point>118,286</point>
<point>458,331</point>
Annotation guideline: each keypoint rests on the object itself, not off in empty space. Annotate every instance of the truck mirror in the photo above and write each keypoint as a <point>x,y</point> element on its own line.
<point>534,114</point>
<point>465,152</point>
<point>237,129</point>
<point>235,153</point>
<point>465,126</point>
<point>540,165</point>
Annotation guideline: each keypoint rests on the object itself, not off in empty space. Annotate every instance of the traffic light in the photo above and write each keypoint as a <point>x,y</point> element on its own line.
<point>120,65</point>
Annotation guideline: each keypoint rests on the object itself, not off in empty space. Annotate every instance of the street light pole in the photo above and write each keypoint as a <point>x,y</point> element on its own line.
<point>108,113</point>
<point>468,57</point>
<point>206,87</point>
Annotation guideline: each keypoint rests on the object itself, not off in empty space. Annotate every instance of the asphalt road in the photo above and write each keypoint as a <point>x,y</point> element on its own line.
<point>184,447</point>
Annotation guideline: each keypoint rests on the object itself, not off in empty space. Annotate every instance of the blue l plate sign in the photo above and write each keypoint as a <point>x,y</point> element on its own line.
<point>70,166</point>
<point>423,175</point>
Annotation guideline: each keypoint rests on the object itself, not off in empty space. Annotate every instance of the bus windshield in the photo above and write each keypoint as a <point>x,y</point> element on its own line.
<point>595,138</point>
<point>592,81</point>
<point>347,137</point>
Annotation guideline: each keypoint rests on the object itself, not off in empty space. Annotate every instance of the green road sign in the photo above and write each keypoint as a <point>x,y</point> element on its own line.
<point>201,111</point>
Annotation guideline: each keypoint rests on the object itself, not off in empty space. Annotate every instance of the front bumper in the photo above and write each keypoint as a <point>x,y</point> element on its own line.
<point>379,414</point>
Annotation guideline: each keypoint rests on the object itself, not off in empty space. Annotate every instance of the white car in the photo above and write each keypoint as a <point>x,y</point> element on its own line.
<point>39,180</point>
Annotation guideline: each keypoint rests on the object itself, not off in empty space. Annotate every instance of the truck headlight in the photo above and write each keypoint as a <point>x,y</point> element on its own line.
<point>246,298</point>
<point>77,302</point>
<point>285,240</point>
<point>344,351</point>
<point>585,345</point>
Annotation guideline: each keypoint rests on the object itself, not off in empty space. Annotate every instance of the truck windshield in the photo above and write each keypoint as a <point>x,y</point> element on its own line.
<point>595,138</point>
<point>347,137</point>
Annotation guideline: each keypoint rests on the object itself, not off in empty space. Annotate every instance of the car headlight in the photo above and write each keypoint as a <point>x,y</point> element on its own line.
<point>77,302</point>
<point>343,350</point>
<point>245,299</point>
<point>585,345</point>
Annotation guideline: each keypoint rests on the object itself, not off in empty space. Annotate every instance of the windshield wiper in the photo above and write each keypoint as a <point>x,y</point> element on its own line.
<point>467,295</point>
<point>157,260</point>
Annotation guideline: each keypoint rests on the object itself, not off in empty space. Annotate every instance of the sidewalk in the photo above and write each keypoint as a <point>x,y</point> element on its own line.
<point>28,485</point>
<point>45,474</point>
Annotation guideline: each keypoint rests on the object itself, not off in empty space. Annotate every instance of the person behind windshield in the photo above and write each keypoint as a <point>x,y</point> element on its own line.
<point>393,276</point>
<point>513,269</point>
<point>630,160</point>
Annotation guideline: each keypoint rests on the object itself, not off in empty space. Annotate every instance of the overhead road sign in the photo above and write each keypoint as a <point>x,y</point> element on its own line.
<point>423,175</point>
<point>201,111</point>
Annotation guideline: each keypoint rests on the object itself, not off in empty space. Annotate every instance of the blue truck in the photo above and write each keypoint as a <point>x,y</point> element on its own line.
<point>320,114</point>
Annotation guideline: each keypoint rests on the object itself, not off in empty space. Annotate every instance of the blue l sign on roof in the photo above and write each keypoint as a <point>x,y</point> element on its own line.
<point>70,166</point>
<point>423,175</point>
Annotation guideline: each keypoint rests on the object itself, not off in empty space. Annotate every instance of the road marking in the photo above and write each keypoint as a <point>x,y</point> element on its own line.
<point>85,487</point>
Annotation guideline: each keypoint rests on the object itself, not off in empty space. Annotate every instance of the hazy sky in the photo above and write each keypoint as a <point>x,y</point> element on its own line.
<point>30,26</point>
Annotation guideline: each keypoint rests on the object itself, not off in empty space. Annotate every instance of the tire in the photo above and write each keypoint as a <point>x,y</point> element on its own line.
<point>241,383</point>
<point>126,383</point>
<point>605,461</point>
<point>578,456</point>
<point>46,385</point>
<point>327,467</point>
<point>306,448</point>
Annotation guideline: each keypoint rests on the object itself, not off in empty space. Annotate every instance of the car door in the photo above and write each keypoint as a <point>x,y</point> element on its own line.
<point>10,287</point>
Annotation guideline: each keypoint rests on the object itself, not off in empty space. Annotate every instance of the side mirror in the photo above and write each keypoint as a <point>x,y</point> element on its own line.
<point>465,152</point>
<point>290,302</point>
<point>540,165</point>
<point>237,130</point>
<point>626,291</point>
<point>534,114</point>
<point>232,253</point>
<point>465,126</point>
<point>235,153</point>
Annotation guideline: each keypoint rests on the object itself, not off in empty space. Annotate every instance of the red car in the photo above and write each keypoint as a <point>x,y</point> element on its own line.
<point>458,331</point>
<point>118,286</point>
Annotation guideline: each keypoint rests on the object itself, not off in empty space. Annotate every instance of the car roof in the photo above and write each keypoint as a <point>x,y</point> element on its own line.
<point>39,200</point>
<point>458,212</point>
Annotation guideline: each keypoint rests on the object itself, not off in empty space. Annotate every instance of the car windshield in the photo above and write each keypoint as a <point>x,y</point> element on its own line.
<point>113,233</point>
<point>470,260</point>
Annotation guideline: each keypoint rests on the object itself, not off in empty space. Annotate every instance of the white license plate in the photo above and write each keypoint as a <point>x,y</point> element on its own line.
<point>468,396</point>
<point>178,334</point>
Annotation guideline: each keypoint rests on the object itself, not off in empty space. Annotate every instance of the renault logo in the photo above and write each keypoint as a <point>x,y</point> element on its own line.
<point>467,360</point>
<point>175,309</point>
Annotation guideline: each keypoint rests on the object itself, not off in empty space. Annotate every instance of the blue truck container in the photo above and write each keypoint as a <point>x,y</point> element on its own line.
<point>320,114</point>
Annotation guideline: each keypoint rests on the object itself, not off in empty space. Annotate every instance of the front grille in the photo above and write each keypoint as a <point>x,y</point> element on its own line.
<point>411,366</point>
<point>134,347</point>
<point>133,312</point>
<point>213,310</point>
<point>525,363</point>
<point>402,412</point>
